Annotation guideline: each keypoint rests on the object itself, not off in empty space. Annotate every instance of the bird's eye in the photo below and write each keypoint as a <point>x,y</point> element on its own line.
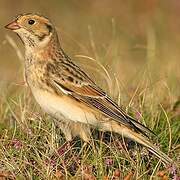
<point>31,22</point>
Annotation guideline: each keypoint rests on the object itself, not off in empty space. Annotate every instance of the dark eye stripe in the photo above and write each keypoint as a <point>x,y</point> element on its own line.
<point>49,27</point>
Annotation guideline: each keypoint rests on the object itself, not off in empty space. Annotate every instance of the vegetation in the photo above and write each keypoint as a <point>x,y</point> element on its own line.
<point>132,51</point>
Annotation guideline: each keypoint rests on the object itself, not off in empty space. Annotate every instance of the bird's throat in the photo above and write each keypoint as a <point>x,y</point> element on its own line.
<point>46,51</point>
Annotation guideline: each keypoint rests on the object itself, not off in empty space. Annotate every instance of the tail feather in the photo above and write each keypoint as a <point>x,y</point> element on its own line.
<point>144,129</point>
<point>143,141</point>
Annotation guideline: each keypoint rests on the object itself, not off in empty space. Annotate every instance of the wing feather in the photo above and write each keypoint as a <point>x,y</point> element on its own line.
<point>94,97</point>
<point>71,80</point>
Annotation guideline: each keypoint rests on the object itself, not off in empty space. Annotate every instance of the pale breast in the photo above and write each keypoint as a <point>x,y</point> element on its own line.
<point>58,106</point>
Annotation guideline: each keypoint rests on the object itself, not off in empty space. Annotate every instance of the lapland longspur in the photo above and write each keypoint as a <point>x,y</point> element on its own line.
<point>66,92</point>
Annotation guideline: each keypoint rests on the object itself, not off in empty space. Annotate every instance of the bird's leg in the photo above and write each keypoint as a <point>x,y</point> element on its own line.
<point>84,132</point>
<point>65,127</point>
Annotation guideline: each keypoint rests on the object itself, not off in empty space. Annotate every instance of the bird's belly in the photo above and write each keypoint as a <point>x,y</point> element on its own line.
<point>64,107</point>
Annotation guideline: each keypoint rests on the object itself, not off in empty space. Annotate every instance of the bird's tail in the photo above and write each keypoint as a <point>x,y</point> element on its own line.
<point>128,133</point>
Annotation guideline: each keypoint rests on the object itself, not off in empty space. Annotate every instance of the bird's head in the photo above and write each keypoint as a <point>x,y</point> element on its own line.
<point>34,30</point>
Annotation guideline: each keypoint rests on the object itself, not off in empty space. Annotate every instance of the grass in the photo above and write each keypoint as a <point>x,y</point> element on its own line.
<point>29,143</point>
<point>30,140</point>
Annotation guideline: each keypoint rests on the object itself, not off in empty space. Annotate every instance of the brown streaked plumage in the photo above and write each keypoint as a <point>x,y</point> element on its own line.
<point>66,92</point>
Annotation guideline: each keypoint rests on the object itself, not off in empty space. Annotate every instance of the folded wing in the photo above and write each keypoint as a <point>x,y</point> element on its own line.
<point>78,85</point>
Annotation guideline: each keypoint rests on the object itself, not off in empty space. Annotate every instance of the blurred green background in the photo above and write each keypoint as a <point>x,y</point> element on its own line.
<point>136,40</point>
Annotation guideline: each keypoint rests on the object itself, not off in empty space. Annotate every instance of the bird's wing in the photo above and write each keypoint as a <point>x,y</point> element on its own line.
<point>73,81</point>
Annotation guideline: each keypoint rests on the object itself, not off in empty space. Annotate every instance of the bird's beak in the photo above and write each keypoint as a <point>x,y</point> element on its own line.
<point>13,26</point>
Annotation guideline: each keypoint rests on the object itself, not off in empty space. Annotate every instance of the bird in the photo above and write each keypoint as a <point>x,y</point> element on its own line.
<point>67,93</point>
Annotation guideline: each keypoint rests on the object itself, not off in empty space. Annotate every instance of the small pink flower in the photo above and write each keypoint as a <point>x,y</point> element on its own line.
<point>17,144</point>
<point>109,161</point>
<point>50,162</point>
<point>138,115</point>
